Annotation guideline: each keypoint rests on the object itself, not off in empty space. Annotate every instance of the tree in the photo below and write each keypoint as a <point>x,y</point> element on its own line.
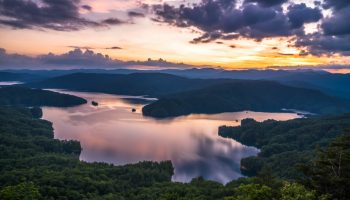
<point>253,192</point>
<point>330,172</point>
<point>295,191</point>
<point>22,191</point>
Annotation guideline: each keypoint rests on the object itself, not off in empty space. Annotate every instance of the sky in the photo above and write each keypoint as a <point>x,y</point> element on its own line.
<point>232,34</point>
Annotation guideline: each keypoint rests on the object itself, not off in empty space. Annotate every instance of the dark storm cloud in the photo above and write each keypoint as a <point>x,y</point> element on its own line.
<point>319,44</point>
<point>254,14</point>
<point>336,4</point>
<point>299,14</point>
<point>208,15</point>
<point>334,36</point>
<point>209,37</point>
<point>338,23</point>
<point>275,26</point>
<point>60,15</point>
<point>135,14</point>
<point>225,19</point>
<point>253,20</point>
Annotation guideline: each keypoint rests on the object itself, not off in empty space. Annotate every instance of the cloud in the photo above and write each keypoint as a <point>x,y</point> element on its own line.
<point>78,58</point>
<point>59,15</point>
<point>334,34</point>
<point>114,48</point>
<point>299,14</point>
<point>15,60</point>
<point>338,23</point>
<point>135,14</point>
<point>86,7</point>
<point>89,47</point>
<point>336,4</point>
<point>319,44</point>
<point>80,47</point>
<point>212,36</point>
<point>214,159</point>
<point>74,58</point>
<point>113,21</point>
<point>260,20</point>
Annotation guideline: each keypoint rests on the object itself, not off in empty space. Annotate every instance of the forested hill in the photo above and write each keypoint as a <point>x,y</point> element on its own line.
<point>239,95</point>
<point>23,96</point>
<point>285,144</point>
<point>152,84</point>
<point>33,165</point>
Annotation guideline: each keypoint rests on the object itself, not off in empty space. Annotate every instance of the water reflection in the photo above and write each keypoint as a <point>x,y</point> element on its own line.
<point>112,133</point>
<point>6,83</point>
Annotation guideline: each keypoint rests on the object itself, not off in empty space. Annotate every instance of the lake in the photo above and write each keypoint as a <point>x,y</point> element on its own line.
<point>6,83</point>
<point>112,133</point>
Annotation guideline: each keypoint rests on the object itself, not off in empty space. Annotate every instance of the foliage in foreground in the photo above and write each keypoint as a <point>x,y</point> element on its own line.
<point>285,144</point>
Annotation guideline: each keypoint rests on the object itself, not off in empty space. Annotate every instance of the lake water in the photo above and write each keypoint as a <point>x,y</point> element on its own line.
<point>111,132</point>
<point>5,83</point>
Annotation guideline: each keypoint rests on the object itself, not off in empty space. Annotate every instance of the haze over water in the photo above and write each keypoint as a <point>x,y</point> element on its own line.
<point>112,133</point>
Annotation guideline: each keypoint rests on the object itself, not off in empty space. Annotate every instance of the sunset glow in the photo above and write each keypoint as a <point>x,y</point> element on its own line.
<point>139,36</point>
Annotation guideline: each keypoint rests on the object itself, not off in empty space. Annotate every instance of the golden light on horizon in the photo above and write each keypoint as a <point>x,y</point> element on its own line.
<point>144,38</point>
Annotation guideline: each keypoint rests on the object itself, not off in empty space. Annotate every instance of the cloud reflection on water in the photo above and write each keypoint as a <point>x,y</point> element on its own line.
<point>112,133</point>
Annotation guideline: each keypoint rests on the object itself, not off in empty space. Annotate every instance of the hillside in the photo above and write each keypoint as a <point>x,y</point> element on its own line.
<point>30,156</point>
<point>332,84</point>
<point>239,95</point>
<point>152,84</point>
<point>21,77</point>
<point>22,96</point>
<point>285,145</point>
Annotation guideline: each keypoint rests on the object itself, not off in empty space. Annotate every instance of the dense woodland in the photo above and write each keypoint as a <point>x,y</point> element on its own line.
<point>33,165</point>
<point>285,144</point>
<point>302,159</point>
<point>266,96</point>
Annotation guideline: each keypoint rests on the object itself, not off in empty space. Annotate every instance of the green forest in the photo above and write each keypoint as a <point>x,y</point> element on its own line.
<point>34,165</point>
<point>285,144</point>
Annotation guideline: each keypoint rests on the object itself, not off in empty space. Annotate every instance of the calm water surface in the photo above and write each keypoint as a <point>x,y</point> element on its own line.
<point>5,83</point>
<point>112,133</point>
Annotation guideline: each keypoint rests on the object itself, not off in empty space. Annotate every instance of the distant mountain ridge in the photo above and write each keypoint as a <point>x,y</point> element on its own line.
<point>332,84</point>
<point>181,96</point>
<point>151,84</point>
<point>21,77</point>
